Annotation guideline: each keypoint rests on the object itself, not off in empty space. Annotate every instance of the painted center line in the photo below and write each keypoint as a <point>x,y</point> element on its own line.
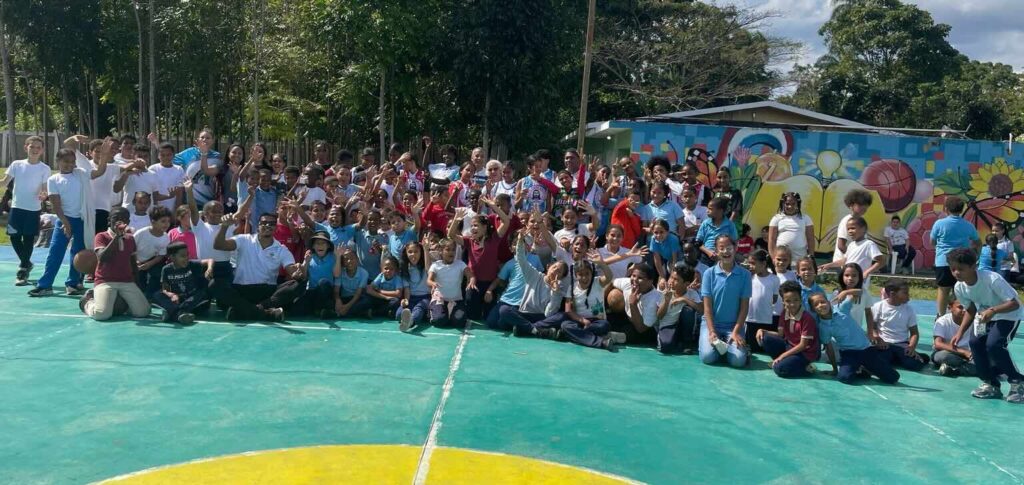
<point>423,467</point>
<point>942,433</point>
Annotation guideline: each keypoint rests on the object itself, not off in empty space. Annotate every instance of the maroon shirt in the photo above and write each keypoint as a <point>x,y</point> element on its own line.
<point>795,330</point>
<point>483,257</point>
<point>118,269</point>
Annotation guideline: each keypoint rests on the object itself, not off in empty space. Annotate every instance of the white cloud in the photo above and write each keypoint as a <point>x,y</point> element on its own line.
<point>986,30</point>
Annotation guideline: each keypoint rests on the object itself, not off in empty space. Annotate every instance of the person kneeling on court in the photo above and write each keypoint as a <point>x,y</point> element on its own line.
<point>115,272</point>
<point>183,283</point>
<point>726,288</point>
<point>255,294</point>
<point>857,358</point>
<point>795,346</point>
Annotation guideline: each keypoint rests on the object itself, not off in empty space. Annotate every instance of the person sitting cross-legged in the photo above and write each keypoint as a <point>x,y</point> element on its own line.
<point>255,294</point>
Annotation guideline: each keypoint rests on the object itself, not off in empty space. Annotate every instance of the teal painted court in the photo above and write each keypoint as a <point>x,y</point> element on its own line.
<point>84,401</point>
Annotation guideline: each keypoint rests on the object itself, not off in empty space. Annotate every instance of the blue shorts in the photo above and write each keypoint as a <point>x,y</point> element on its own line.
<point>23,222</point>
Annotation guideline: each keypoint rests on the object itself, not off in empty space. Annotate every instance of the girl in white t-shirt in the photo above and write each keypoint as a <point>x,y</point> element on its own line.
<point>850,298</point>
<point>445,279</point>
<point>764,296</point>
<point>584,320</point>
<point>791,228</point>
<point>679,313</point>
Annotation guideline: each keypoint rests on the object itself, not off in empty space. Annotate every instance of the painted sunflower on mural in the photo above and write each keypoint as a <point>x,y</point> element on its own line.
<point>996,192</point>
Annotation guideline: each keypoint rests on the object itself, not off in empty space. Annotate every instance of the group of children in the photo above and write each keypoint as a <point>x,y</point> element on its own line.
<point>596,255</point>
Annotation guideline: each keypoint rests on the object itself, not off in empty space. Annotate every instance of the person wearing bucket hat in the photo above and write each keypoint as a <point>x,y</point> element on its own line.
<point>321,264</point>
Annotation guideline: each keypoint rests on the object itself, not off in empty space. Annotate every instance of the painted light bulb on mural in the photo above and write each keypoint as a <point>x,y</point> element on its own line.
<point>829,162</point>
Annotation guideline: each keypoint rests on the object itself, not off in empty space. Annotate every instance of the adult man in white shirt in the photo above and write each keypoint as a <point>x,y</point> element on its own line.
<point>255,294</point>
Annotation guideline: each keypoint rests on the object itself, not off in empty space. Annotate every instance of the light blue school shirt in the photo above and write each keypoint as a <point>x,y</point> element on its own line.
<point>666,248</point>
<point>321,270</point>
<point>340,235</point>
<point>985,260</point>
<point>395,283</point>
<point>807,291</point>
<point>949,233</point>
<point>397,242</point>
<point>726,291</point>
<point>417,282</point>
<point>669,210</point>
<point>843,330</point>
<point>510,272</point>
<point>368,258</point>
<point>707,232</point>
<point>349,284</point>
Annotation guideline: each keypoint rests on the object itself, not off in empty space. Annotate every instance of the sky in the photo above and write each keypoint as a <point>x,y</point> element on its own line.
<point>983,30</point>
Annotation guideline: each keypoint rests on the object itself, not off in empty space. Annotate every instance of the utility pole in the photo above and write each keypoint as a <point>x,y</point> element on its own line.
<point>581,132</point>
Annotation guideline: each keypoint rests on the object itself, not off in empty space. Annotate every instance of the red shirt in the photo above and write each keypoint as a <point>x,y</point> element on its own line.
<point>118,269</point>
<point>744,245</point>
<point>795,330</point>
<point>434,218</point>
<point>290,239</point>
<point>483,257</point>
<point>632,226</point>
<point>514,225</point>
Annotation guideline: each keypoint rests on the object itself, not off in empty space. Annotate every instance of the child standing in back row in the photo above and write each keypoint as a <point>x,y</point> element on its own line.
<point>860,250</point>
<point>892,327</point>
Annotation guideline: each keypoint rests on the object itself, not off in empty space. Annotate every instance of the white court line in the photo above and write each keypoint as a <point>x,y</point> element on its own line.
<point>942,433</point>
<point>423,467</point>
<point>229,324</point>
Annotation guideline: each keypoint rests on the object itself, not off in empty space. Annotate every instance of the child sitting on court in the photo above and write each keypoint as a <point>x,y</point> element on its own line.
<point>726,289</point>
<point>385,291</point>
<point>679,313</point>
<point>350,299</point>
<point>994,308</point>
<point>115,272</point>
<point>446,277</point>
<point>950,360</point>
<point>892,326</point>
<point>584,320</point>
<point>839,332</point>
<point>151,249</point>
<point>795,346</point>
<point>183,294</point>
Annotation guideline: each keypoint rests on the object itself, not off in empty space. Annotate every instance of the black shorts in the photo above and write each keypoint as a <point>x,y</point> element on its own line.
<point>23,222</point>
<point>944,277</point>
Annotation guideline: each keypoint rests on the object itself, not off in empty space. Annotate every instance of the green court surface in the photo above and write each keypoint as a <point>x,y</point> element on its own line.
<point>85,401</point>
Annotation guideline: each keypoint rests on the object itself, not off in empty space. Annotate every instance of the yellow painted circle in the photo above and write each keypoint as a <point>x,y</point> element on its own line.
<point>366,464</point>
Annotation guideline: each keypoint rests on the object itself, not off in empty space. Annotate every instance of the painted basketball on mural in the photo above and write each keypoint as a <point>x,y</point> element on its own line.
<point>894,181</point>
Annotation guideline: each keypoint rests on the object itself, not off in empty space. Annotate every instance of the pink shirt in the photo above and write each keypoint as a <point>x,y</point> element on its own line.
<point>189,238</point>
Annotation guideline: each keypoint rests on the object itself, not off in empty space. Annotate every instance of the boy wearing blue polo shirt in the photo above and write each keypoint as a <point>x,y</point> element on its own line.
<point>838,331</point>
<point>726,289</point>
<point>949,233</point>
<point>716,225</point>
<point>385,291</point>
<point>994,309</point>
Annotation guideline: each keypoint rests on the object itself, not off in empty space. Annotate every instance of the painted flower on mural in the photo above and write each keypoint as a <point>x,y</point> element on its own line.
<point>997,190</point>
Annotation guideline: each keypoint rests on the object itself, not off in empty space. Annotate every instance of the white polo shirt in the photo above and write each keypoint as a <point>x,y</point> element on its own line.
<point>167,179</point>
<point>206,233</point>
<point>258,265</point>
<point>648,301</point>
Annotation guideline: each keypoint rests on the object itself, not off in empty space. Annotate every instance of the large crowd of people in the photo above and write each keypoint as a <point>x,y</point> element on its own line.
<point>594,254</point>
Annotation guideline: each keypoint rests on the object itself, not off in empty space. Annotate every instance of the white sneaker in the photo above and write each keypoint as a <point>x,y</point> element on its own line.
<point>405,322</point>
<point>946,370</point>
<point>618,338</point>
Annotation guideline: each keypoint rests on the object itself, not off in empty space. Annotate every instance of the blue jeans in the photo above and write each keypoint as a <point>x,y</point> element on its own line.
<point>736,356</point>
<point>419,306</point>
<point>58,248</point>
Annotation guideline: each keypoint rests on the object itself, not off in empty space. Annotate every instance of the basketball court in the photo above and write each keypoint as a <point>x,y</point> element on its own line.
<point>359,402</point>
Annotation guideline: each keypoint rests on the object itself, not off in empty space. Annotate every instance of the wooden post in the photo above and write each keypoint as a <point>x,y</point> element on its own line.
<point>581,132</point>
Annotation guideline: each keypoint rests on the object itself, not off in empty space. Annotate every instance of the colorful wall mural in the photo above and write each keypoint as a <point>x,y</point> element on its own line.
<point>909,176</point>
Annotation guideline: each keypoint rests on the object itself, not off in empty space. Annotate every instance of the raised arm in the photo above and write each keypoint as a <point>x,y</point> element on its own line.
<point>220,242</point>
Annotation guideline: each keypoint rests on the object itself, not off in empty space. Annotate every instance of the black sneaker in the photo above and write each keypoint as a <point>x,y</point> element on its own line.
<point>186,318</point>
<point>38,292</point>
<point>548,333</point>
<point>21,277</point>
<point>228,313</point>
<point>74,290</point>
<point>84,299</point>
<point>515,331</point>
<point>165,317</point>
